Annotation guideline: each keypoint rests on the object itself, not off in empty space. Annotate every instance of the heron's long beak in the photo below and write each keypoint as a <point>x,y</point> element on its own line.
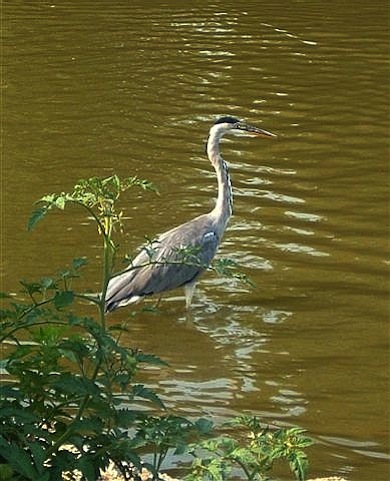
<point>255,131</point>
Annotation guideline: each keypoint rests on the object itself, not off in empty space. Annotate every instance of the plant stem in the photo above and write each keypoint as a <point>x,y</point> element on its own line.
<point>248,475</point>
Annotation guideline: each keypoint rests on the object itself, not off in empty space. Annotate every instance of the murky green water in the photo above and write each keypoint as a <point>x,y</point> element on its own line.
<point>90,88</point>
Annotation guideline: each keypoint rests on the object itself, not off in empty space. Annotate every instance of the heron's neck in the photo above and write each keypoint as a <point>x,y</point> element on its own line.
<point>224,205</point>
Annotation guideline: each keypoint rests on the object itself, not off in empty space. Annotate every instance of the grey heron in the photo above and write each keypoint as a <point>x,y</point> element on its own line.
<point>160,267</point>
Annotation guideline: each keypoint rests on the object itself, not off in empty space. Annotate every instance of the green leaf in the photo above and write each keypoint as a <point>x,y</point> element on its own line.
<point>35,217</point>
<point>18,459</point>
<point>149,359</point>
<point>299,467</point>
<point>88,425</point>
<point>31,287</point>
<point>126,417</point>
<point>74,348</point>
<point>141,391</point>
<point>19,413</point>
<point>7,391</point>
<point>6,472</point>
<point>87,466</point>
<point>63,299</point>
<point>43,477</point>
<point>72,384</point>
<point>79,262</point>
<point>204,426</point>
<point>47,282</point>
<point>39,455</point>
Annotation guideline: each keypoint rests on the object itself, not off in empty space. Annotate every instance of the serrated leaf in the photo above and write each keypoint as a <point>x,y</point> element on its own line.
<point>49,199</point>
<point>74,346</point>
<point>88,425</point>
<point>126,417</point>
<point>18,459</point>
<point>149,359</point>
<point>63,299</point>
<point>79,262</point>
<point>35,217</point>
<point>141,391</point>
<point>75,385</point>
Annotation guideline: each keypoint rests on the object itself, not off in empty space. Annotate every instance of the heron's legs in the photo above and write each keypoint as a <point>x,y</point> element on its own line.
<point>189,292</point>
<point>158,301</point>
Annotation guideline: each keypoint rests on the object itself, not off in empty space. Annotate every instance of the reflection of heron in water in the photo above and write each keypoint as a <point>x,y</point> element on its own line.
<point>162,265</point>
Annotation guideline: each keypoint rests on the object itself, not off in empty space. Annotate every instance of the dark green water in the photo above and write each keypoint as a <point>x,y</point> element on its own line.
<point>92,88</point>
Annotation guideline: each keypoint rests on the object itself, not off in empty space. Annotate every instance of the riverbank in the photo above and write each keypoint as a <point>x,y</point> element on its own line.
<point>111,474</point>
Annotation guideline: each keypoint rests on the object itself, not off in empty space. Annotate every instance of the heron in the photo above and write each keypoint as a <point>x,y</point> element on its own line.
<point>160,265</point>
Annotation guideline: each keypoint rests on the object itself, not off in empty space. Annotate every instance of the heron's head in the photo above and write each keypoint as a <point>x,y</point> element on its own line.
<point>228,124</point>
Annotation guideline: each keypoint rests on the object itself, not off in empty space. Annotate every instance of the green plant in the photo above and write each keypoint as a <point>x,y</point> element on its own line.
<point>69,393</point>
<point>70,382</point>
<point>164,433</point>
<point>252,448</point>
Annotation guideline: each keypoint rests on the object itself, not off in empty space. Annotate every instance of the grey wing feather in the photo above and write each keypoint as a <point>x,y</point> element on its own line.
<point>176,258</point>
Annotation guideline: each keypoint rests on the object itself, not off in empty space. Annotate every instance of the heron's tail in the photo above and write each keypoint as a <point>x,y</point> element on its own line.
<point>121,291</point>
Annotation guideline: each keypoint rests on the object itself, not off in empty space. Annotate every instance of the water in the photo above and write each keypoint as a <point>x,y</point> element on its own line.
<point>131,87</point>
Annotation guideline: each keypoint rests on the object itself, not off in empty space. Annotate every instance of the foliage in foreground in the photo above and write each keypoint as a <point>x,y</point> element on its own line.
<point>250,448</point>
<point>70,398</point>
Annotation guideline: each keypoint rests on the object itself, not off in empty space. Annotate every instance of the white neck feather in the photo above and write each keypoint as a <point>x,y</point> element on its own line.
<point>224,203</point>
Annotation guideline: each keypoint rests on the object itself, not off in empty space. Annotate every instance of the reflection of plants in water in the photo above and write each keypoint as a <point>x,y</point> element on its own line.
<point>70,399</point>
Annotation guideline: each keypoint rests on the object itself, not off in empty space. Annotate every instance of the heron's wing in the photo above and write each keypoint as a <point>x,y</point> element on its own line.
<point>176,258</point>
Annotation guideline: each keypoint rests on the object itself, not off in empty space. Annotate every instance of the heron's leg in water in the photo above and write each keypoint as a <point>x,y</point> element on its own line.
<point>158,301</point>
<point>189,292</point>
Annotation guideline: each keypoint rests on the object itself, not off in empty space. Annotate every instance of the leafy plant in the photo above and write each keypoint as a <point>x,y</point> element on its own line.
<point>69,393</point>
<point>70,383</point>
<point>253,449</point>
<point>165,433</point>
